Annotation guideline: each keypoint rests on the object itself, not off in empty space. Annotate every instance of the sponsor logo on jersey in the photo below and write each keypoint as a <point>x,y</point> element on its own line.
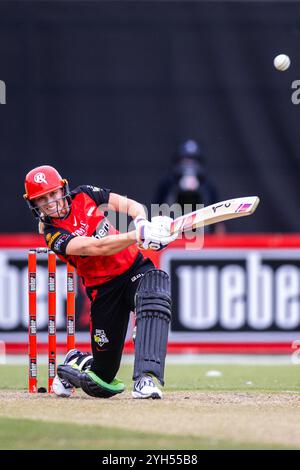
<point>50,239</point>
<point>94,188</point>
<point>82,230</point>
<point>60,241</point>
<point>102,229</point>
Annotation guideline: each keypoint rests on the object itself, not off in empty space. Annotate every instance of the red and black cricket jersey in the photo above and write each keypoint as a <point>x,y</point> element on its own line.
<point>87,219</point>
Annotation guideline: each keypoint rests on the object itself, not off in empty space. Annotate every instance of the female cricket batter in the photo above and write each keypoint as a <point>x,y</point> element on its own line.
<point>117,277</point>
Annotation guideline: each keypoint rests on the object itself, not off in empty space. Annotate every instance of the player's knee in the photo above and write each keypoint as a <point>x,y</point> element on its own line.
<point>153,295</point>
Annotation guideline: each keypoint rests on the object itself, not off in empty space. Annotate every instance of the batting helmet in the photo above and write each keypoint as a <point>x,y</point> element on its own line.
<point>40,181</point>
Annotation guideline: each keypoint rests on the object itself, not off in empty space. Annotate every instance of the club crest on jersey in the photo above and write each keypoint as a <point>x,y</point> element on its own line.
<point>40,178</point>
<point>100,337</point>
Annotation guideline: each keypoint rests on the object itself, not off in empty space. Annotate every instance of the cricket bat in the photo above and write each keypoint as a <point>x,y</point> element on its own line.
<point>225,210</point>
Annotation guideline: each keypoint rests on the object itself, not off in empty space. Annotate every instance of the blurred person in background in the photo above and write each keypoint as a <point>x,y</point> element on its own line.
<point>188,183</point>
<point>118,279</point>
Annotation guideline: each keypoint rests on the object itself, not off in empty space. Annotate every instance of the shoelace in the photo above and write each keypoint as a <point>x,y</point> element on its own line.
<point>66,384</point>
<point>143,382</point>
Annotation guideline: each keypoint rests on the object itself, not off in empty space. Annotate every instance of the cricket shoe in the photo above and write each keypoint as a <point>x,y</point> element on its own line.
<point>82,360</point>
<point>146,388</point>
<point>61,387</point>
<point>72,356</point>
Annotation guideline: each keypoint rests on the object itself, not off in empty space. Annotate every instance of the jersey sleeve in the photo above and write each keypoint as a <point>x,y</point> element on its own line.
<point>57,239</point>
<point>99,195</point>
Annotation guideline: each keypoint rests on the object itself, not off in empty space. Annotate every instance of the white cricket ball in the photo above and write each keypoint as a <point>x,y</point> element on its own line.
<point>282,62</point>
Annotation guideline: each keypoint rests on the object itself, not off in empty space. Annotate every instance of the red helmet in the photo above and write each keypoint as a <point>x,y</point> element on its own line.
<point>42,180</point>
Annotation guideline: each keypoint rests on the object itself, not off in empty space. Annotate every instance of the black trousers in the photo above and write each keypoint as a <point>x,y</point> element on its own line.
<point>111,305</point>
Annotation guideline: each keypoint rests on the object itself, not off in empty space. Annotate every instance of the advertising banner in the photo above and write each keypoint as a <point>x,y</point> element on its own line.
<point>236,294</point>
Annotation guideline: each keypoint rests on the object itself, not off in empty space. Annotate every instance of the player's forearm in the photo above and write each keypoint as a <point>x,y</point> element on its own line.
<point>123,204</point>
<point>90,246</point>
<point>136,209</point>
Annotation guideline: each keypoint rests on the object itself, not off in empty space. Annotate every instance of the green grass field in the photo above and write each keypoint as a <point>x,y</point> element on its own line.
<point>248,407</point>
